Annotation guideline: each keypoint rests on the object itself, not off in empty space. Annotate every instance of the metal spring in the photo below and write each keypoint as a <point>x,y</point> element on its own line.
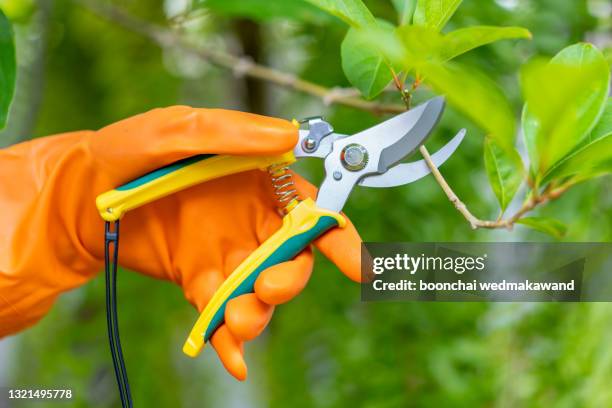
<point>284,187</point>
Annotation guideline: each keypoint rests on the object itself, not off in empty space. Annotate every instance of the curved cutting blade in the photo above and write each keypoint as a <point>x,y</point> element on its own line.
<point>396,138</point>
<point>384,145</point>
<point>405,173</point>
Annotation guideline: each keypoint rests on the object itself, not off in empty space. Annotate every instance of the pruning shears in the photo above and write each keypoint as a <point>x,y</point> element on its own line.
<point>370,158</point>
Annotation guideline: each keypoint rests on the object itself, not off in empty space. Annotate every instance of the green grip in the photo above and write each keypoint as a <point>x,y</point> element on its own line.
<point>285,252</point>
<point>162,171</point>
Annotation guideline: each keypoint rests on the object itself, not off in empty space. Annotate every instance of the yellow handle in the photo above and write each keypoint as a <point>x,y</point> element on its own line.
<point>178,176</point>
<point>300,226</point>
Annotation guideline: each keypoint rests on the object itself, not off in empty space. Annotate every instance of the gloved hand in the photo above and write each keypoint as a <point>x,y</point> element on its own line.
<point>51,238</point>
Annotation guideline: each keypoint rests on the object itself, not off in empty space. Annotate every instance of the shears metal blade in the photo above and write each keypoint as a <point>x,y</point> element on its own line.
<point>370,158</point>
<point>406,173</point>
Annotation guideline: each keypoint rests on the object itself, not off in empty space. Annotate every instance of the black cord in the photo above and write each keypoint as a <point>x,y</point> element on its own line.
<point>110,268</point>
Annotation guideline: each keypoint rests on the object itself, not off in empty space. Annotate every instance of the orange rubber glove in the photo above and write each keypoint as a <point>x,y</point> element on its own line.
<point>51,239</point>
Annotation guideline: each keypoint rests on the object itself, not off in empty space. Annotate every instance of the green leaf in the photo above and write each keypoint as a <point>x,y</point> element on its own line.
<point>8,68</point>
<point>604,125</point>
<point>591,160</point>
<point>405,10</point>
<point>263,10</point>
<point>434,13</point>
<point>18,11</point>
<point>563,101</point>
<point>607,52</point>
<point>381,40</point>
<point>352,12</point>
<point>421,45</point>
<point>465,39</point>
<point>546,225</point>
<point>505,171</point>
<point>415,45</point>
<point>364,65</point>
<point>477,96</point>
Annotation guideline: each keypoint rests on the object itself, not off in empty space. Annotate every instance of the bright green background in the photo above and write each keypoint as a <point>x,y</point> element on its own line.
<point>326,348</point>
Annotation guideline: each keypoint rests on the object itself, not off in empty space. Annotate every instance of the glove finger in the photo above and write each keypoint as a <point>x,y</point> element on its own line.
<point>282,282</point>
<point>230,352</point>
<point>342,246</point>
<point>246,316</point>
<point>139,144</point>
<point>199,288</point>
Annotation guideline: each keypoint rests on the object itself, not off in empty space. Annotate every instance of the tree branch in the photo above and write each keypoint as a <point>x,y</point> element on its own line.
<point>244,66</point>
<point>240,65</point>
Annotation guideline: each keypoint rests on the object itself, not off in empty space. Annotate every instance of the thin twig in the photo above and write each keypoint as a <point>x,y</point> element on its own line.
<point>474,221</point>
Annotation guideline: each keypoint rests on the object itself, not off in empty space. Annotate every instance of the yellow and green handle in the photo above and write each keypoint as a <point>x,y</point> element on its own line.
<point>301,226</point>
<point>304,223</point>
<point>113,204</point>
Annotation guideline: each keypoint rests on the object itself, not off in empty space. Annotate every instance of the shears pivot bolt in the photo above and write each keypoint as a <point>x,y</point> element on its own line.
<point>354,157</point>
<point>309,144</point>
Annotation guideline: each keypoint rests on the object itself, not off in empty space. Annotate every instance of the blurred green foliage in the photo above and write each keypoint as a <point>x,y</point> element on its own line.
<point>558,114</point>
<point>326,348</point>
<point>8,66</point>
